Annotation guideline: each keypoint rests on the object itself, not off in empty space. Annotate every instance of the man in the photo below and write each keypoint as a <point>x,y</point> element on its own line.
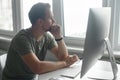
<point>28,48</point>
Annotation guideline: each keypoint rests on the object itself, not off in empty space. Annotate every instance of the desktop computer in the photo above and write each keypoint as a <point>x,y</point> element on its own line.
<point>96,43</point>
<point>97,39</point>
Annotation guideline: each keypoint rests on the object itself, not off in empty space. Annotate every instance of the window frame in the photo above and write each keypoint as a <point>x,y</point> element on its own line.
<point>114,32</point>
<point>16,12</point>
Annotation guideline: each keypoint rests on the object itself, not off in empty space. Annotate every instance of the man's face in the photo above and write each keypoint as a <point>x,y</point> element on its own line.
<point>49,20</point>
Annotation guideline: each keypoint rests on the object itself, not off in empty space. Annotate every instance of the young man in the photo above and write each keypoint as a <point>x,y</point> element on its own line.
<point>28,48</point>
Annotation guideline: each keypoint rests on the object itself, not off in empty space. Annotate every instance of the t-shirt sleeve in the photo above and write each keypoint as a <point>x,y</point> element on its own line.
<point>22,45</point>
<point>52,42</point>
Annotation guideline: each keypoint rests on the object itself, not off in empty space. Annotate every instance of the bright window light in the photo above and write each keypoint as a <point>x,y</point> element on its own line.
<point>76,16</point>
<point>6,22</point>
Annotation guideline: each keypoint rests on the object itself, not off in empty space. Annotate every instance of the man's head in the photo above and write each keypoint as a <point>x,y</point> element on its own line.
<point>38,11</point>
<point>41,15</point>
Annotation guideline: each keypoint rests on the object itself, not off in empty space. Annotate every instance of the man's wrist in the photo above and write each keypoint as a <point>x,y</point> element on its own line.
<point>59,39</point>
<point>65,64</point>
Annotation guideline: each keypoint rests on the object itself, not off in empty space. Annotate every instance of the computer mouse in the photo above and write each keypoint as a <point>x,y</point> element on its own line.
<point>55,79</point>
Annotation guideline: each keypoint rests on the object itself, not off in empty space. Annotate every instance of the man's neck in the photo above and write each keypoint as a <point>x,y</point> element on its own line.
<point>37,33</point>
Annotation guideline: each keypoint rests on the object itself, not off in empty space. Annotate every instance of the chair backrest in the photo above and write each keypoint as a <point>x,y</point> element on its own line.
<point>2,64</point>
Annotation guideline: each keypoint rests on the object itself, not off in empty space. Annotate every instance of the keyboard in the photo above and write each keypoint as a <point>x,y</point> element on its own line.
<point>73,70</point>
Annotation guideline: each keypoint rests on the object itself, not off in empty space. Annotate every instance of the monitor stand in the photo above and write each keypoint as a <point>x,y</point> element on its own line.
<point>112,58</point>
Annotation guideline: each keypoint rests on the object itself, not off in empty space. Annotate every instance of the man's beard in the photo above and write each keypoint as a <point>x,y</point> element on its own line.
<point>45,29</point>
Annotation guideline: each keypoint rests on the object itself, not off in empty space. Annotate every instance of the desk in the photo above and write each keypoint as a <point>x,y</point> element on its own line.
<point>100,65</point>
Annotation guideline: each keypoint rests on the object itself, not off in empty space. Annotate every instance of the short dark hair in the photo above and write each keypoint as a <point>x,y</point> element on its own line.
<point>38,11</point>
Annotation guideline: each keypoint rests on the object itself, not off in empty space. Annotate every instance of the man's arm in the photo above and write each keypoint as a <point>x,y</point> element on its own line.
<point>61,53</point>
<point>60,50</point>
<point>39,67</point>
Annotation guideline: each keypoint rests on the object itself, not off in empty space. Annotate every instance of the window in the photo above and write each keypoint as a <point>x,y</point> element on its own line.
<point>27,4</point>
<point>75,20</point>
<point>76,16</point>
<point>72,15</point>
<point>6,22</point>
<point>119,30</point>
<point>116,24</point>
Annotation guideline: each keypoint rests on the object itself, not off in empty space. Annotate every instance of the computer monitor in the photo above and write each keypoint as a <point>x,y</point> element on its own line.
<point>96,38</point>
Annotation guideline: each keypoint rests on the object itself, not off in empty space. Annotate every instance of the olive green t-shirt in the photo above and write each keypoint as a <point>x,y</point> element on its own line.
<point>24,43</point>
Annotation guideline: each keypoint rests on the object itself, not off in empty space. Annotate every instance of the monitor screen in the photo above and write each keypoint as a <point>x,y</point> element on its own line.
<point>97,31</point>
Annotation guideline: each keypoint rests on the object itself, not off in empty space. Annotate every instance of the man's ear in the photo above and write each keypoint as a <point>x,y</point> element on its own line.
<point>40,21</point>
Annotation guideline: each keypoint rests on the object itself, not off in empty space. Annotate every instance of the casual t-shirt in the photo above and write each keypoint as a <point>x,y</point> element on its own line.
<point>24,43</point>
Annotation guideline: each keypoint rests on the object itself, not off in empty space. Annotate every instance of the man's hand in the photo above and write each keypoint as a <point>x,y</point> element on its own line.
<point>71,59</point>
<point>55,30</point>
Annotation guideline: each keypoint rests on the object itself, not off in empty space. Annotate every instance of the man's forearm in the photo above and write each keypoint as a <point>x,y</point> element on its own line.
<point>47,66</point>
<point>62,50</point>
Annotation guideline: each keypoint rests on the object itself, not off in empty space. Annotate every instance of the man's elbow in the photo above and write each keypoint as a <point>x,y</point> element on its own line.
<point>38,69</point>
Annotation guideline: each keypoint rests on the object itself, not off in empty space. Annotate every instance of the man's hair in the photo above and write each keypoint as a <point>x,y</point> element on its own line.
<point>38,11</point>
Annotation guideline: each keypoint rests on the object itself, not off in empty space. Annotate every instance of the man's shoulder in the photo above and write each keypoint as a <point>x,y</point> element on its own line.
<point>48,35</point>
<point>23,34</point>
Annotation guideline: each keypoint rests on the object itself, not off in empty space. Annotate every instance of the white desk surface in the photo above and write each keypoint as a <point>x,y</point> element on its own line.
<point>101,68</point>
